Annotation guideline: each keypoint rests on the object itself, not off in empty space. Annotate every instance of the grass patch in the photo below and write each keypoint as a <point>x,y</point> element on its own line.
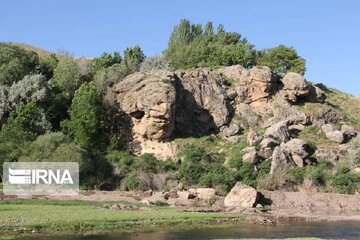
<point>63,216</point>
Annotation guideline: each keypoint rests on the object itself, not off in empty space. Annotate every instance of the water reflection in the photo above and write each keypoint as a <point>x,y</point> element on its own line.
<point>332,230</point>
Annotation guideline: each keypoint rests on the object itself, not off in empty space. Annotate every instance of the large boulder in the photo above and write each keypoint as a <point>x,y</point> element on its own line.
<point>349,131</point>
<point>232,130</point>
<point>299,151</point>
<point>253,138</point>
<point>333,134</point>
<point>232,73</point>
<point>205,193</point>
<point>316,94</point>
<point>250,155</point>
<point>291,115</point>
<point>295,86</point>
<point>258,83</point>
<point>241,196</point>
<point>149,99</point>
<point>278,131</point>
<point>298,147</point>
<point>330,115</point>
<point>281,159</point>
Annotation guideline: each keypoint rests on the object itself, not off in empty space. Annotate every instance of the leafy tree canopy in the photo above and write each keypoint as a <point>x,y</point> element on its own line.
<point>15,63</point>
<point>282,59</point>
<point>192,45</point>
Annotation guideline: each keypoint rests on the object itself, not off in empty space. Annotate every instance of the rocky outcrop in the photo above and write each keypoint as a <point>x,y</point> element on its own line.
<point>278,131</point>
<point>256,84</point>
<point>150,101</point>
<point>162,104</point>
<point>295,86</point>
<point>241,196</point>
<point>201,102</point>
<point>290,115</point>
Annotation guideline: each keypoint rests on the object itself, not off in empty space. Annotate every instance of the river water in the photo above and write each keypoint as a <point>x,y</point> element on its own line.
<point>324,230</point>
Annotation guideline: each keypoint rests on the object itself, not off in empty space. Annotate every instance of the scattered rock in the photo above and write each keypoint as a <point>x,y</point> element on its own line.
<point>241,195</point>
<point>330,115</point>
<point>268,143</point>
<point>316,95</point>
<point>281,159</point>
<point>250,155</point>
<point>349,131</point>
<point>332,133</point>
<point>232,130</point>
<point>205,193</point>
<point>278,131</point>
<point>186,195</point>
<point>253,138</point>
<point>298,147</point>
<point>291,115</point>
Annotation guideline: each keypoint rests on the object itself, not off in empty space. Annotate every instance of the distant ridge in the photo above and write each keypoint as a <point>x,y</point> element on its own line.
<point>40,51</point>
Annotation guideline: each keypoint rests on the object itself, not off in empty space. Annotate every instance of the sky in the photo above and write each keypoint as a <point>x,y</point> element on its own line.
<point>325,32</point>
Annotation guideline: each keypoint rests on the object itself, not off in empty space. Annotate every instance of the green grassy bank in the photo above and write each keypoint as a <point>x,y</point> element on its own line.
<point>45,216</point>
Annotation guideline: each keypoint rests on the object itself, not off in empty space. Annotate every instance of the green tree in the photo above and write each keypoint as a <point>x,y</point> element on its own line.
<point>105,60</point>
<point>22,127</point>
<point>191,45</point>
<point>133,57</point>
<point>85,117</point>
<point>67,76</point>
<point>15,63</point>
<point>282,59</point>
<point>48,65</point>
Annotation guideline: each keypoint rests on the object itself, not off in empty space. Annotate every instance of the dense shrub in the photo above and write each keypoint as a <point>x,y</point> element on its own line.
<point>30,88</point>
<point>22,127</point>
<point>15,63</point>
<point>345,181</point>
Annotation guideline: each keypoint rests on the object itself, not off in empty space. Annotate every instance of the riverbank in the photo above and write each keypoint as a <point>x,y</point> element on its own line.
<point>49,216</point>
<point>98,211</point>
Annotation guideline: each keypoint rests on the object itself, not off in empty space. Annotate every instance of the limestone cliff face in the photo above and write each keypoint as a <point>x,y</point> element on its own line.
<point>164,105</point>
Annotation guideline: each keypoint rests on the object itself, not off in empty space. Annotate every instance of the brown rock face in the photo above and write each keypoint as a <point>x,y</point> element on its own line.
<point>201,104</point>
<point>150,101</point>
<point>256,84</point>
<point>163,103</point>
<point>295,85</point>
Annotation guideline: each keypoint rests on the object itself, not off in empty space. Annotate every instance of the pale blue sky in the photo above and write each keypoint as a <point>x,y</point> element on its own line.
<point>325,32</point>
